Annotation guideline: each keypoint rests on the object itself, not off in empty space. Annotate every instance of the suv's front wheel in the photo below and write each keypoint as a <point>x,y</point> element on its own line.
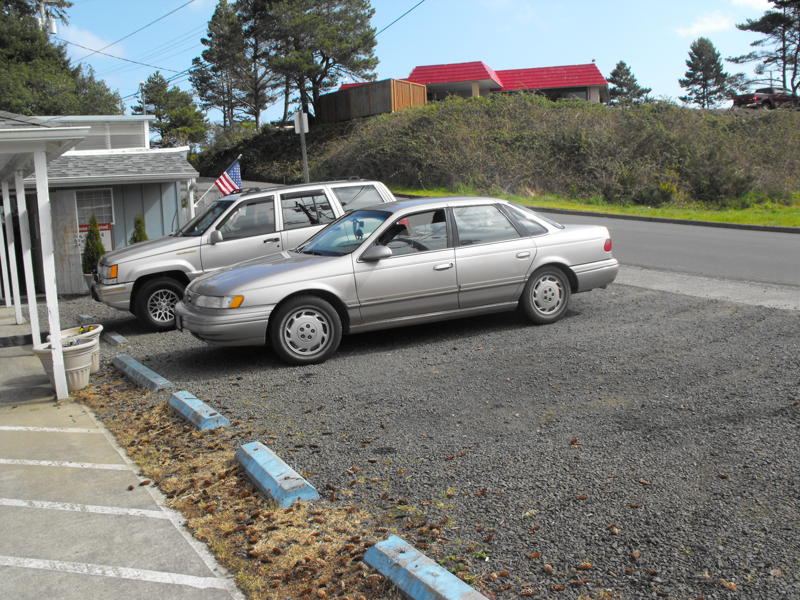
<point>155,303</point>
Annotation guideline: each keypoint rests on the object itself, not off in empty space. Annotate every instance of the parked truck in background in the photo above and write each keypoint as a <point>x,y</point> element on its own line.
<point>768,97</point>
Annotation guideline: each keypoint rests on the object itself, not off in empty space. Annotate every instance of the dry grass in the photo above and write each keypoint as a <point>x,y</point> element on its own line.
<point>306,551</point>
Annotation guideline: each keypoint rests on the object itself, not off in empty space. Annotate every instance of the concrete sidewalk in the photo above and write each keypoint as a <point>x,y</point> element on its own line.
<point>69,527</point>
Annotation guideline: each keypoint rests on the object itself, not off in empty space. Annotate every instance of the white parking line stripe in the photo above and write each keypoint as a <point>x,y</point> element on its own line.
<point>50,429</point>
<point>86,508</point>
<point>59,463</point>
<point>111,571</point>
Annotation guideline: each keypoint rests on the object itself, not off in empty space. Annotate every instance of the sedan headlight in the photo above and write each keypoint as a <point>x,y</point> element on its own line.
<point>218,301</point>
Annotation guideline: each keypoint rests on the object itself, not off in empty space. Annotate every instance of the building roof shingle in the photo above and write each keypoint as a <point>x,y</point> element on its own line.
<point>147,165</point>
<point>551,77</point>
<point>451,73</point>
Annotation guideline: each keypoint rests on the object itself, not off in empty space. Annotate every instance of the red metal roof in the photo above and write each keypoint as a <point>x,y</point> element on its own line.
<point>450,73</point>
<point>344,86</point>
<point>551,77</point>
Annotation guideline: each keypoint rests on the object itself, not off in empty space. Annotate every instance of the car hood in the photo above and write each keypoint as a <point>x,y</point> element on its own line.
<point>278,268</point>
<point>149,248</point>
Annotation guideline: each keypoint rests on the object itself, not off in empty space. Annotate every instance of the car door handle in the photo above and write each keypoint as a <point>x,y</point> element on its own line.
<point>443,267</point>
<point>523,254</point>
<point>272,240</point>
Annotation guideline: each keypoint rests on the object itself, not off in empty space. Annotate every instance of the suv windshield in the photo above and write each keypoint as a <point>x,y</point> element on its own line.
<point>346,234</point>
<point>201,222</point>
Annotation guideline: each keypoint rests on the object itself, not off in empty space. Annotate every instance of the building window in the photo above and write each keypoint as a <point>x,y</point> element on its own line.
<point>98,202</point>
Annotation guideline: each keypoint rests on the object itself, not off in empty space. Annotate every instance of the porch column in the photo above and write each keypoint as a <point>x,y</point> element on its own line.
<point>49,269</point>
<point>27,260</point>
<point>476,89</point>
<point>12,254</point>
<point>190,196</point>
<point>3,259</point>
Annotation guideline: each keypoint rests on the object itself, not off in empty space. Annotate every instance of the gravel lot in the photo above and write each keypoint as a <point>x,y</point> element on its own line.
<point>652,435</point>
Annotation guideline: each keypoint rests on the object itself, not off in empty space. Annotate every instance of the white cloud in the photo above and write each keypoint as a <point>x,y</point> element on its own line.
<point>706,24</point>
<point>86,38</point>
<point>761,5</point>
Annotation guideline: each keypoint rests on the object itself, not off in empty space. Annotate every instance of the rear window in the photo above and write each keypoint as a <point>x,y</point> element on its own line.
<point>357,196</point>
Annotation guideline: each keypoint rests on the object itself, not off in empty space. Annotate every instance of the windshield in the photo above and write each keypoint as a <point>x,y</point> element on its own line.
<point>346,234</point>
<point>201,222</point>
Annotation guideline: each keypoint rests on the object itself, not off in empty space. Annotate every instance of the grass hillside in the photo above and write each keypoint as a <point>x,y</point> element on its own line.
<point>651,155</point>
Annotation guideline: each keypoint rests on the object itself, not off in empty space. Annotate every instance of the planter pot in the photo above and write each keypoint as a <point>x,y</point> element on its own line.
<point>77,361</point>
<point>89,279</point>
<point>90,332</point>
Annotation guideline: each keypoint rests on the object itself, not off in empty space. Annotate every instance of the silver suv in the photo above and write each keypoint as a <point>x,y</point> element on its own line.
<point>148,278</point>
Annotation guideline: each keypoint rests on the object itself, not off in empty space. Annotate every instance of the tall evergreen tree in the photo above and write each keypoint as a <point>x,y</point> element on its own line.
<point>256,80</point>
<point>36,77</point>
<point>624,87</point>
<point>705,81</point>
<point>321,41</point>
<point>178,120</point>
<point>779,47</point>
<point>214,74</point>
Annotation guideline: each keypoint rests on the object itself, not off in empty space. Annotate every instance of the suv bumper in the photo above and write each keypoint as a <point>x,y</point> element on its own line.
<point>224,327</point>
<point>117,295</point>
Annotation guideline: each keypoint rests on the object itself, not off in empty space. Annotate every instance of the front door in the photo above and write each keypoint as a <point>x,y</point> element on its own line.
<point>248,232</point>
<point>420,276</point>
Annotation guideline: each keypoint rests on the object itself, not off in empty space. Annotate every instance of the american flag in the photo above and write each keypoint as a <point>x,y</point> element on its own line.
<point>231,180</point>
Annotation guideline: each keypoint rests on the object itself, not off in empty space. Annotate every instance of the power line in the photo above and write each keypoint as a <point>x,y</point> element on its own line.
<point>178,75</point>
<point>138,30</point>
<point>400,17</point>
<point>136,62</point>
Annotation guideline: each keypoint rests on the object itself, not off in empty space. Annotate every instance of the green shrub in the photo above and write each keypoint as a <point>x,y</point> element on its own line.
<point>93,247</point>
<point>138,234</point>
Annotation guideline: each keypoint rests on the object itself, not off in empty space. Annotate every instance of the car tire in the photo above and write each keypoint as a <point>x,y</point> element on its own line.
<point>155,303</point>
<point>546,295</point>
<point>305,330</point>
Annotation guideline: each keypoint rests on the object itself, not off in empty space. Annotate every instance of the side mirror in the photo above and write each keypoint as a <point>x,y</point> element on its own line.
<point>375,253</point>
<point>215,237</point>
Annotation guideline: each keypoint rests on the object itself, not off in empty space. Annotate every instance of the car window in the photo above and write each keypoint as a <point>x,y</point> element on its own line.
<point>482,224</point>
<point>256,217</point>
<point>352,197</point>
<point>202,221</point>
<point>346,234</point>
<point>526,219</point>
<point>304,209</point>
<point>416,233</point>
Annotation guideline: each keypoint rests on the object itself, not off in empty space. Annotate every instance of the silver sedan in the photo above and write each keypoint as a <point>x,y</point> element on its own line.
<point>402,263</point>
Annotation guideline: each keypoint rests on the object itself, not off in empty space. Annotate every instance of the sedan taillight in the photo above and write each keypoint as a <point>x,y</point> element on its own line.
<point>607,245</point>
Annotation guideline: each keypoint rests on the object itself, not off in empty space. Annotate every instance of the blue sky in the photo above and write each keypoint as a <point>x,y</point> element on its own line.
<point>653,37</point>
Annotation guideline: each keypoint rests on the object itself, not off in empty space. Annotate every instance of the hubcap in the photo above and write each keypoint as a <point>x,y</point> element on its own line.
<point>547,294</point>
<point>161,305</point>
<point>306,331</point>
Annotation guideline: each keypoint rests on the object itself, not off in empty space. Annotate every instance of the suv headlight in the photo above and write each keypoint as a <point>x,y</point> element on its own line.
<point>218,301</point>
<point>108,273</point>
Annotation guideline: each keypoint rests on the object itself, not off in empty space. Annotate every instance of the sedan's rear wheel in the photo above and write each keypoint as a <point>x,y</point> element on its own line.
<point>305,330</point>
<point>546,295</point>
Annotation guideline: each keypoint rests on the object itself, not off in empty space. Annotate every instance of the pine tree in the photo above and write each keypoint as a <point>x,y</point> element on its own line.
<point>779,48</point>
<point>705,81</point>
<point>624,87</point>
<point>215,72</point>
<point>93,247</point>
<point>178,120</point>
<point>138,234</point>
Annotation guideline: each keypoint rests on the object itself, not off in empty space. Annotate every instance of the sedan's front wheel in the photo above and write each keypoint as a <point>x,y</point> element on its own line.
<point>306,330</point>
<point>546,295</point>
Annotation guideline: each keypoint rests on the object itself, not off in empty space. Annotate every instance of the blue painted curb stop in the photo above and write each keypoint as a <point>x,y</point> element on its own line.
<point>417,576</point>
<point>114,339</point>
<point>200,414</point>
<point>139,374</point>
<point>273,476</point>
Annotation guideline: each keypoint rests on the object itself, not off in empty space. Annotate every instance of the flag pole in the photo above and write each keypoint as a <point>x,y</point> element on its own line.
<point>212,184</point>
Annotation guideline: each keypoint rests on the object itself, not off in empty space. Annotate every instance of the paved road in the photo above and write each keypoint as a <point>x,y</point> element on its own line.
<point>711,251</point>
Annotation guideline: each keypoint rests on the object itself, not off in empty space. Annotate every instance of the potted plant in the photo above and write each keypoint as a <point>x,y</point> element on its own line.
<point>93,249</point>
<point>139,234</point>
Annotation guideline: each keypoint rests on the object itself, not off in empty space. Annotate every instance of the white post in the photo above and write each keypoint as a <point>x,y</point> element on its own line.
<point>12,254</point>
<point>190,195</point>
<point>27,260</point>
<point>49,268</point>
<point>3,259</point>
